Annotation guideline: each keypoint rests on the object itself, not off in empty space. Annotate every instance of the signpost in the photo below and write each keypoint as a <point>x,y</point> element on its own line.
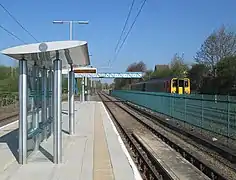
<point>85,70</point>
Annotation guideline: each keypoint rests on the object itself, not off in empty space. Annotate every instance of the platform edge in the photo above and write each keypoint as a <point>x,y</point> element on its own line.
<point>136,173</point>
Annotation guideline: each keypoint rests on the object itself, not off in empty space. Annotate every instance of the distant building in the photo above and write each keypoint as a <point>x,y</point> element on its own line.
<point>161,66</point>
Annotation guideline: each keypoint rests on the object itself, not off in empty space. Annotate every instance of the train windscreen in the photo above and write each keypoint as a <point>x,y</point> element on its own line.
<point>181,83</point>
<point>174,83</point>
<point>186,83</point>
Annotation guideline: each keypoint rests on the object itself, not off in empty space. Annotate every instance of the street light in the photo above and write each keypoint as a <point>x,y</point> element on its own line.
<point>70,79</point>
<point>71,24</point>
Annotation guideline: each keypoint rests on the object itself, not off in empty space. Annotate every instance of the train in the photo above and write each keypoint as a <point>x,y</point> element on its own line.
<point>168,85</point>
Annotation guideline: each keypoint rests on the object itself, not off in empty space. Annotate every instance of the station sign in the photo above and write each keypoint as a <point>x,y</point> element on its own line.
<point>81,70</point>
<point>85,70</point>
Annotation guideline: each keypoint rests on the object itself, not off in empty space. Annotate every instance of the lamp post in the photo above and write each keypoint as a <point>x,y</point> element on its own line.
<point>71,25</point>
<point>71,78</point>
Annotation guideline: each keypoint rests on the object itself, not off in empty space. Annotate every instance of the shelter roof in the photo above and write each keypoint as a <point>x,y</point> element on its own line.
<point>70,52</point>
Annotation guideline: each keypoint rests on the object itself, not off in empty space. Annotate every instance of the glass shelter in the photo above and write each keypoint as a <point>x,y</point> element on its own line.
<point>40,91</point>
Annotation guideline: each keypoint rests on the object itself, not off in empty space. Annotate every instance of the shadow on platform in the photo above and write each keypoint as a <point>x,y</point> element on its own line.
<point>46,153</point>
<point>12,140</point>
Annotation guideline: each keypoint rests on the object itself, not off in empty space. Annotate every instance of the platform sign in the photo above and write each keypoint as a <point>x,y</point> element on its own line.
<point>85,70</point>
<point>81,70</point>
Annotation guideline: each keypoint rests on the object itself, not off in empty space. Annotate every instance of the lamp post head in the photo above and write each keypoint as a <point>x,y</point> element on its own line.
<point>82,22</point>
<point>57,22</point>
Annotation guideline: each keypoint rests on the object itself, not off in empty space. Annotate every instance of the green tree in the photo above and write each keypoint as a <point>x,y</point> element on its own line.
<point>197,74</point>
<point>226,77</point>
<point>9,79</point>
<point>162,72</point>
<point>178,67</point>
<point>121,83</point>
<point>217,46</point>
<point>148,74</point>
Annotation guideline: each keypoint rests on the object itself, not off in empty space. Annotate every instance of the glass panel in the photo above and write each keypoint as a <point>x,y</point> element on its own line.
<point>174,83</point>
<point>181,83</point>
<point>185,83</point>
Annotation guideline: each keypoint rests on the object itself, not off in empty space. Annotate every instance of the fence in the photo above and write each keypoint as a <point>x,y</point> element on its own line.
<point>212,113</point>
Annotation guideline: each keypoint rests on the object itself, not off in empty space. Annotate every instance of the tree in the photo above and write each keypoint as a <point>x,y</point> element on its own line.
<point>226,69</point>
<point>178,67</point>
<point>147,75</point>
<point>134,67</point>
<point>119,83</point>
<point>162,72</point>
<point>137,67</point>
<point>197,74</point>
<point>217,46</point>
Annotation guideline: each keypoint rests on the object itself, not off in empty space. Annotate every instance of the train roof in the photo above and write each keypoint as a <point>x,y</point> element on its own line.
<point>155,80</point>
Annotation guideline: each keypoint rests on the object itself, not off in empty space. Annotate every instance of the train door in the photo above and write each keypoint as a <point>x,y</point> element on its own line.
<point>186,86</point>
<point>180,86</point>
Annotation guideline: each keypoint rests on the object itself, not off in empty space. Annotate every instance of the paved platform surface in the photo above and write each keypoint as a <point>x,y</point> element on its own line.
<point>95,152</point>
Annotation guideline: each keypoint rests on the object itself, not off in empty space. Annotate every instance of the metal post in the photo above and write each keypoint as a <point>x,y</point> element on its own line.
<point>23,96</point>
<point>36,104</point>
<point>71,101</point>
<point>50,78</point>
<point>71,29</point>
<point>57,90</point>
<point>75,86</point>
<point>91,86</point>
<point>68,94</point>
<point>228,117</point>
<point>86,88</point>
<point>82,90</point>
<point>44,101</point>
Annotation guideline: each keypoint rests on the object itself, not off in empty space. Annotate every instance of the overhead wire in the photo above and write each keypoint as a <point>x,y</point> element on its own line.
<point>135,19</point>
<point>122,32</point>
<point>18,22</point>
<point>12,34</point>
<point>126,21</point>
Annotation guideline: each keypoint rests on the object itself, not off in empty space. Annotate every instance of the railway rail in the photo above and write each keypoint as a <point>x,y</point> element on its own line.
<point>145,161</point>
<point>206,163</point>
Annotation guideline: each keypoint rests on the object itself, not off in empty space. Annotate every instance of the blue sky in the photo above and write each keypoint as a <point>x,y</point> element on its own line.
<point>163,28</point>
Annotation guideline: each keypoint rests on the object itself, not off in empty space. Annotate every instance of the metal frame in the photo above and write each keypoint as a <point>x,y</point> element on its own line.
<point>110,75</point>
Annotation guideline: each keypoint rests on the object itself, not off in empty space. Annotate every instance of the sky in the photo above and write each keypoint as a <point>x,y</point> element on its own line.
<point>164,27</point>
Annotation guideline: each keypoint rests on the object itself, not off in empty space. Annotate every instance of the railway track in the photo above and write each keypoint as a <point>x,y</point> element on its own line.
<point>204,162</point>
<point>11,117</point>
<point>133,131</point>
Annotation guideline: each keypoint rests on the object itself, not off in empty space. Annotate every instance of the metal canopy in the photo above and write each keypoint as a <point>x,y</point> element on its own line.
<point>46,60</point>
<point>70,52</point>
<point>109,75</point>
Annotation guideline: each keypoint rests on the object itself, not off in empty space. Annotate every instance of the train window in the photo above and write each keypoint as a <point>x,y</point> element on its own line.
<point>164,85</point>
<point>181,83</point>
<point>185,83</point>
<point>167,84</point>
<point>174,83</point>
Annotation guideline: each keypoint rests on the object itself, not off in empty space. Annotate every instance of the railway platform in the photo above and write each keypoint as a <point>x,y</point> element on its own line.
<point>94,152</point>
